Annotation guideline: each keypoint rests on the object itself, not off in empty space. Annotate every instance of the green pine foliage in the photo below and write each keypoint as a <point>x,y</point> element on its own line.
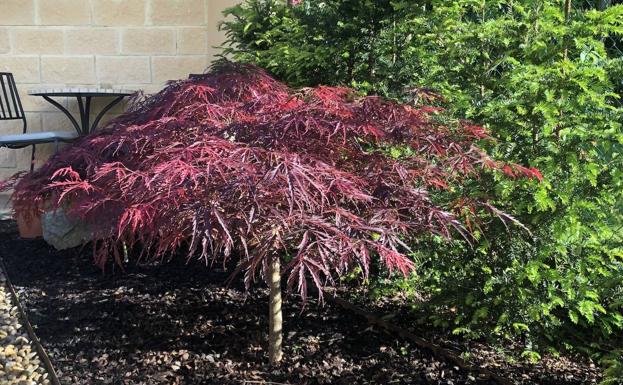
<point>547,82</point>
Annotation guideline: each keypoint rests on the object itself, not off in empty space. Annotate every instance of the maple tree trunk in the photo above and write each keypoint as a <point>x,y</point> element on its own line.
<point>275,315</point>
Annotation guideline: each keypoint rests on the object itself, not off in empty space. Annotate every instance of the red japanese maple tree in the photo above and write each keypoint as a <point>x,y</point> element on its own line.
<point>234,164</point>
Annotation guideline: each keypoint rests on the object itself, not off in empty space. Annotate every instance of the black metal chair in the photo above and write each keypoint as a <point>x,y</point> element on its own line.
<point>11,109</point>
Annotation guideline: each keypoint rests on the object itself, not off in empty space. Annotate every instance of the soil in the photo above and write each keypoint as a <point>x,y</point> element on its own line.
<point>178,323</point>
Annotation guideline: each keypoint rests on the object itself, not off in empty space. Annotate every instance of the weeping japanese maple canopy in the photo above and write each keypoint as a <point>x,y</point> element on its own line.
<point>234,164</point>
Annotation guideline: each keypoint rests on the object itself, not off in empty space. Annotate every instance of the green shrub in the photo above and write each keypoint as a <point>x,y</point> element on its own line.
<point>613,375</point>
<point>547,83</point>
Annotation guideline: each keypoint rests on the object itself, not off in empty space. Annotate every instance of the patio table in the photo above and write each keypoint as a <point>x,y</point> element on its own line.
<point>84,96</point>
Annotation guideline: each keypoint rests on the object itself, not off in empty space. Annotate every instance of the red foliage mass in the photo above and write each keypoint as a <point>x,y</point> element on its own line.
<point>236,164</point>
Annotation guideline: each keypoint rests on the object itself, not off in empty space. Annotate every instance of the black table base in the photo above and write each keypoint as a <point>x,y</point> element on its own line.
<point>84,105</point>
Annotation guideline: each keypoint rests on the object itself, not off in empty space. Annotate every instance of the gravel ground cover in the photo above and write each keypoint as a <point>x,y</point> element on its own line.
<point>19,363</point>
<point>178,324</point>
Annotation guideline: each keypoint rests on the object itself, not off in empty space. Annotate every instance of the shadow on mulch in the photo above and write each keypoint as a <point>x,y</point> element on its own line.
<point>177,323</point>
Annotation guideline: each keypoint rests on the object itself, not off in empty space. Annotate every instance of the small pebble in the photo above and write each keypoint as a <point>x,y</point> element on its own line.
<point>19,364</point>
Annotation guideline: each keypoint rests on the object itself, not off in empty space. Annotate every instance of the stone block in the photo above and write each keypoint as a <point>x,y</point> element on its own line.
<point>97,41</point>
<point>37,40</point>
<point>176,67</point>
<point>25,69</point>
<point>68,70</point>
<point>123,69</point>
<point>118,12</point>
<point>17,12</point>
<point>64,12</point>
<point>215,41</point>
<point>215,12</point>
<point>177,12</point>
<point>9,127</point>
<point>57,121</point>
<point>5,44</point>
<point>8,158</point>
<point>192,41</point>
<point>148,41</point>
<point>215,15</point>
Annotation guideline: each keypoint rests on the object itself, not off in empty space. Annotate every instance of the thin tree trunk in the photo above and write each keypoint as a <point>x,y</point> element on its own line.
<point>567,11</point>
<point>275,317</point>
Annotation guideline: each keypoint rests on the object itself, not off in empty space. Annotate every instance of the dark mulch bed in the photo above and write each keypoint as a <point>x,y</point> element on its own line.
<point>178,324</point>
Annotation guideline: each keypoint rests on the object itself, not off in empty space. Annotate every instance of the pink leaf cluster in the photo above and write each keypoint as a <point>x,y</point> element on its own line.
<point>234,164</point>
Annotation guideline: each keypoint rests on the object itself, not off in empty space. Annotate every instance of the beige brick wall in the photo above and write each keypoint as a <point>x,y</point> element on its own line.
<point>135,44</point>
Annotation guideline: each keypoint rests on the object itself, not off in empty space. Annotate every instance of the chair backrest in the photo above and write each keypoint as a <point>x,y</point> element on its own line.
<point>10,104</point>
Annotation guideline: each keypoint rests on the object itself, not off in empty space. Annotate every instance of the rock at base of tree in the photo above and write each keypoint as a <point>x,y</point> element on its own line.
<point>63,232</point>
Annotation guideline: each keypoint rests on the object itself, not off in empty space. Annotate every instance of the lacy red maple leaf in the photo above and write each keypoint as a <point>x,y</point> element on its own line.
<point>233,164</point>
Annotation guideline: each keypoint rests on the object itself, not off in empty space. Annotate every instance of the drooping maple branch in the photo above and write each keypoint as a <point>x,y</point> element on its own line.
<point>234,164</point>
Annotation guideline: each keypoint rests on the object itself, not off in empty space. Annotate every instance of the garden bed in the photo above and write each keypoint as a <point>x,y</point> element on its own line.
<point>178,324</point>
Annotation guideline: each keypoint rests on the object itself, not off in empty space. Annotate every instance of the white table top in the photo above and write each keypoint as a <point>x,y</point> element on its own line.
<point>69,91</point>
